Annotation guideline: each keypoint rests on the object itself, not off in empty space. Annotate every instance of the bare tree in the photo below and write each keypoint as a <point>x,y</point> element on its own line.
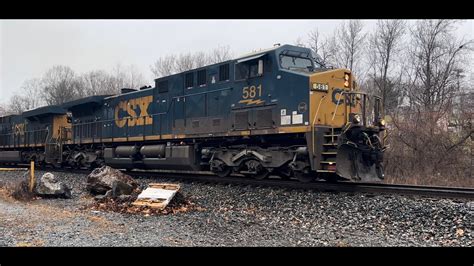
<point>435,56</point>
<point>164,66</point>
<point>314,41</point>
<point>172,64</point>
<point>184,62</point>
<point>220,54</point>
<point>16,104</point>
<point>350,41</point>
<point>29,96</point>
<point>384,46</point>
<point>127,77</point>
<point>201,59</point>
<point>32,89</point>
<point>3,110</point>
<point>60,85</point>
<point>344,48</point>
<point>421,140</point>
<point>324,48</point>
<point>97,82</point>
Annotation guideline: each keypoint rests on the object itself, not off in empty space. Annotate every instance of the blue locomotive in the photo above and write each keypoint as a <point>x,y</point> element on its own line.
<point>271,112</point>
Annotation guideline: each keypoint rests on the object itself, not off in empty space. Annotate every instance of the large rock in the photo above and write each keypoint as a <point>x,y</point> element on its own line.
<point>49,186</point>
<point>120,188</point>
<point>106,178</point>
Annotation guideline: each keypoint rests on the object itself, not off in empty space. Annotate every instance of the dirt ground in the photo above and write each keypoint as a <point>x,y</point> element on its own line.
<point>225,215</point>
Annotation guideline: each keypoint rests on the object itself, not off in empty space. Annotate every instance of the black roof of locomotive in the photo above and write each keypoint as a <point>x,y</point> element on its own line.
<point>6,118</point>
<point>43,111</point>
<point>91,100</point>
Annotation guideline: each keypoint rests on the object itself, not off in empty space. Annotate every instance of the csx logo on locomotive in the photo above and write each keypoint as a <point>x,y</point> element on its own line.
<point>19,129</point>
<point>130,106</point>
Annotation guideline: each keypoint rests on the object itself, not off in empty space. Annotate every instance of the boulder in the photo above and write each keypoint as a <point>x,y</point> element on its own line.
<point>124,198</point>
<point>108,194</point>
<point>120,188</point>
<point>49,186</point>
<point>106,178</point>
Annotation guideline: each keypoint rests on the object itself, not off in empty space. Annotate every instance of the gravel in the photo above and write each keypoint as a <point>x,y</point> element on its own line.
<point>230,215</point>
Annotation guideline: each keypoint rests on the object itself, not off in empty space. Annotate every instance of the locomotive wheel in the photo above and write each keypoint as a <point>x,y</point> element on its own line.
<point>283,173</point>
<point>264,173</point>
<point>256,169</point>
<point>224,172</point>
<point>219,168</point>
<point>304,176</point>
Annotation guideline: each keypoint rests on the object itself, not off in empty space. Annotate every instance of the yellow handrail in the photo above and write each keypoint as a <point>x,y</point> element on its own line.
<point>337,104</point>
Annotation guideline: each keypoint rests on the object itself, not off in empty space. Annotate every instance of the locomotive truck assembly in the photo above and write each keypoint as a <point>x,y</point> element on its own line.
<point>276,111</point>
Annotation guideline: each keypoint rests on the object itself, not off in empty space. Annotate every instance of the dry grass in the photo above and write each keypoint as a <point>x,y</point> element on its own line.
<point>433,180</point>
<point>33,243</point>
<point>177,205</point>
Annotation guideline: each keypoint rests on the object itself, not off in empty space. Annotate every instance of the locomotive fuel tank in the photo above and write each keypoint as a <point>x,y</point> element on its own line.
<point>153,151</point>
<point>10,156</point>
<point>126,151</point>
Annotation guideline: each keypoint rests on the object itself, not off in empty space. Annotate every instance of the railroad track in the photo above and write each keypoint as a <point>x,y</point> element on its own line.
<point>371,188</point>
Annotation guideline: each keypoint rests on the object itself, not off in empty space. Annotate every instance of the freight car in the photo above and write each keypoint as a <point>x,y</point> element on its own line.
<point>275,111</point>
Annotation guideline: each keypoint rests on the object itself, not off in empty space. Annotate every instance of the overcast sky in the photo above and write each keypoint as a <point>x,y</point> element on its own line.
<point>29,47</point>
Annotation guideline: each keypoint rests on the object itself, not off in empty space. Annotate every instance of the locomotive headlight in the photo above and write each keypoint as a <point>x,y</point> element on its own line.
<point>346,80</point>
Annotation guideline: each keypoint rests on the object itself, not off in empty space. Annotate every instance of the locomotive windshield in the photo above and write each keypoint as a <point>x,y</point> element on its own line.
<point>291,62</point>
<point>296,61</point>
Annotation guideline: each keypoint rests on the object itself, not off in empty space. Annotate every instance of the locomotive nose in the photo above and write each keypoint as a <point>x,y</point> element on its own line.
<point>360,155</point>
<point>360,149</point>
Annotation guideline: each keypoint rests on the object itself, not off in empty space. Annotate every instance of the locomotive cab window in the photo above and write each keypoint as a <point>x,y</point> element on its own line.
<point>249,69</point>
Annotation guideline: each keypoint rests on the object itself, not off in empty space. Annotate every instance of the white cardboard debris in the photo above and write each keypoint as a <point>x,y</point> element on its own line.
<point>157,195</point>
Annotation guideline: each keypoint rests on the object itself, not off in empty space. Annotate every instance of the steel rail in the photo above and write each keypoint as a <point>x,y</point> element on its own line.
<point>373,188</point>
<point>352,187</point>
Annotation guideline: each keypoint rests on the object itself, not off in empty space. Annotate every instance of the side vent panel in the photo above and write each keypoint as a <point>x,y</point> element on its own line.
<point>264,118</point>
<point>241,120</point>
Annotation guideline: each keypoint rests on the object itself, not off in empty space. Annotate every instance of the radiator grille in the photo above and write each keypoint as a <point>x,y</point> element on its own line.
<point>264,118</point>
<point>241,120</point>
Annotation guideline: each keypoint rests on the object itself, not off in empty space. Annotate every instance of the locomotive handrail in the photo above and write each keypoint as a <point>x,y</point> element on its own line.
<point>314,122</point>
<point>337,103</point>
<point>25,139</point>
<point>344,93</point>
<point>154,114</point>
<point>173,100</point>
<point>204,92</point>
<point>28,131</point>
